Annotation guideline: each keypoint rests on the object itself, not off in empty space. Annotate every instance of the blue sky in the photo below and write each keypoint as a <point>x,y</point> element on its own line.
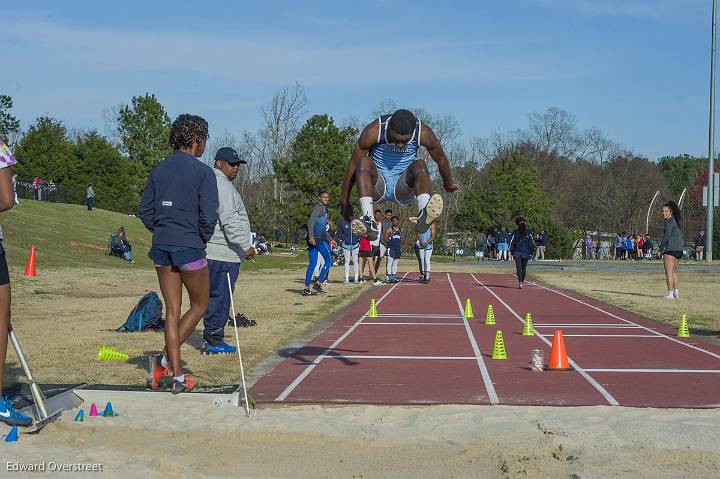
<point>636,69</point>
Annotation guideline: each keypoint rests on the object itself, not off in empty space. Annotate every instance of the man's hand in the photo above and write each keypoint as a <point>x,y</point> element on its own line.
<point>450,187</point>
<point>311,240</point>
<point>250,253</point>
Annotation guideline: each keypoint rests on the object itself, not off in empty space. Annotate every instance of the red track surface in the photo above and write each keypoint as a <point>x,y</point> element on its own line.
<point>421,351</point>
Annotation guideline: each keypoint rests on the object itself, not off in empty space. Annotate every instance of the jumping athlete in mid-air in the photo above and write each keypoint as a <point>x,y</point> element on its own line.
<point>385,167</point>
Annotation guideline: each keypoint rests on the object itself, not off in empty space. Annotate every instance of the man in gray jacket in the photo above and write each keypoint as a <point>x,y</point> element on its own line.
<point>229,245</point>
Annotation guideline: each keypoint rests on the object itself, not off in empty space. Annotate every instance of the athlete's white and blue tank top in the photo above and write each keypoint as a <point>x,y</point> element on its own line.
<point>391,161</point>
<point>425,237</point>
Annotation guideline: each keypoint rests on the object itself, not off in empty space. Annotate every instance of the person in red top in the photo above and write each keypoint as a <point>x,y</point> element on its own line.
<point>366,258</point>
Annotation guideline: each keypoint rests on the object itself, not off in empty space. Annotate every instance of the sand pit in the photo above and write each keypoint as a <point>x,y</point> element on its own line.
<point>165,436</point>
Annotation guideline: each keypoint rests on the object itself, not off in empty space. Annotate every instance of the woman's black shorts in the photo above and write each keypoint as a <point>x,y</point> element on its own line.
<point>674,254</point>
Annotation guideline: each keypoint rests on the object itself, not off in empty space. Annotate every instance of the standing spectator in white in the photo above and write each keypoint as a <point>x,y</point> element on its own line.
<point>350,248</point>
<point>89,197</point>
<point>424,243</point>
<point>229,245</point>
<point>14,186</point>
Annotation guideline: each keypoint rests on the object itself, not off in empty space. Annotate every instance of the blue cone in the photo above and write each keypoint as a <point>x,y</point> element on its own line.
<point>80,416</point>
<point>108,412</point>
<point>12,436</point>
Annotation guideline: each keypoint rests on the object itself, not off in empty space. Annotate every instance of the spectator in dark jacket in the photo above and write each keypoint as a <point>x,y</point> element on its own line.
<point>541,243</point>
<point>179,205</point>
<point>671,247</point>
<point>522,247</point>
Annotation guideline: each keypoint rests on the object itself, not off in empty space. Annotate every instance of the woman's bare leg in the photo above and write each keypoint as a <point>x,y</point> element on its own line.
<point>171,289</point>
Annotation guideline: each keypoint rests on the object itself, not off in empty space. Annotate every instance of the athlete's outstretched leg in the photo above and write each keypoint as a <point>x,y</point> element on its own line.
<point>417,179</point>
<point>366,178</point>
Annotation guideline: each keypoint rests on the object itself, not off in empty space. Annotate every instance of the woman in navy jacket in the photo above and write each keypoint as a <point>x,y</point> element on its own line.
<point>179,205</point>
<point>522,247</point>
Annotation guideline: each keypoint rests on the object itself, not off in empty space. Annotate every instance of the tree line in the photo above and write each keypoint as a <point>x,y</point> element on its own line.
<point>562,179</point>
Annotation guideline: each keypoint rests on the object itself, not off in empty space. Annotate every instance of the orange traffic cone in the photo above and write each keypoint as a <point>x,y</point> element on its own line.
<point>30,266</point>
<point>558,355</point>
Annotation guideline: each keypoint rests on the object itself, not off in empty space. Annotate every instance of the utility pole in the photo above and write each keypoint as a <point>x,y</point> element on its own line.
<point>711,145</point>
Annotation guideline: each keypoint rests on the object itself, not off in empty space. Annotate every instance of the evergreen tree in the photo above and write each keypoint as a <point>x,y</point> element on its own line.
<point>143,128</point>
<point>112,176</point>
<point>318,161</point>
<point>9,125</point>
<point>46,151</point>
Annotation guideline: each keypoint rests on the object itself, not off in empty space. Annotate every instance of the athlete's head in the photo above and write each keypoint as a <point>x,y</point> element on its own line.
<point>395,221</point>
<point>189,132</point>
<point>377,214</point>
<point>388,213</point>
<point>400,127</point>
<point>671,209</point>
<point>324,197</point>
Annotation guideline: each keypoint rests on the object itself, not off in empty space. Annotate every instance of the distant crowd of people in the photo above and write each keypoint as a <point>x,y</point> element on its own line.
<point>495,245</point>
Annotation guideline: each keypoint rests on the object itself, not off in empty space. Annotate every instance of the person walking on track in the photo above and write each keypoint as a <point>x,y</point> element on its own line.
<point>522,248</point>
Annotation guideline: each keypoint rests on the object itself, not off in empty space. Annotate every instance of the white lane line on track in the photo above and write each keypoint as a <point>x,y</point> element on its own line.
<point>366,323</point>
<point>654,336</point>
<point>697,348</point>
<point>605,393</point>
<point>585,325</point>
<point>291,387</point>
<point>492,394</point>
<point>421,358</point>
<point>608,370</point>
<point>421,316</point>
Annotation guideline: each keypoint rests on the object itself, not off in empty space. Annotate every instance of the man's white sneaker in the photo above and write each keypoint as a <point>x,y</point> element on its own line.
<point>430,213</point>
<point>670,295</point>
<point>676,293</point>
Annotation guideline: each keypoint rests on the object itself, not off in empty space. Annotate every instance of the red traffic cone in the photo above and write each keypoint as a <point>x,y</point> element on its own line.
<point>558,355</point>
<point>30,266</point>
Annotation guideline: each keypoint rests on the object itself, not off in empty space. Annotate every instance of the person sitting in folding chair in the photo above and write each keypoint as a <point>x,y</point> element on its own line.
<point>118,245</point>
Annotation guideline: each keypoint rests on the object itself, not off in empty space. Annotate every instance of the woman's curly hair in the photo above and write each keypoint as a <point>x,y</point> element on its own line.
<point>186,130</point>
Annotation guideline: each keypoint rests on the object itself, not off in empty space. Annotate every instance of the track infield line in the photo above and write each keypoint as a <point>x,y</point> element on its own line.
<point>489,386</point>
<point>604,392</point>
<point>697,348</point>
<point>296,382</point>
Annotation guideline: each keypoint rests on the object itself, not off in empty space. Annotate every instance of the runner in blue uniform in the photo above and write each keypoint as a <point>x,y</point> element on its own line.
<point>385,167</point>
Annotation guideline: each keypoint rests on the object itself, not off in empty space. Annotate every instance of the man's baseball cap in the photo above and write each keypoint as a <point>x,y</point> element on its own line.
<point>229,155</point>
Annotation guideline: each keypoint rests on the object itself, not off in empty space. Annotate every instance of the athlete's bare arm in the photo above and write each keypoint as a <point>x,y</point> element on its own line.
<point>367,139</point>
<point>430,141</point>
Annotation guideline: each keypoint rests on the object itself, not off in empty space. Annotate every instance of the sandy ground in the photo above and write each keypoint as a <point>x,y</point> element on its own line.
<point>169,440</point>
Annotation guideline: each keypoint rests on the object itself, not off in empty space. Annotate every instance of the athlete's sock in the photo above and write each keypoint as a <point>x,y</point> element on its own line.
<point>180,379</point>
<point>422,201</point>
<point>366,206</point>
<point>164,362</point>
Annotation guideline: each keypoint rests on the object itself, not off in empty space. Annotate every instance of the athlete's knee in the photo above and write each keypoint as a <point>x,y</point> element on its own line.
<point>419,168</point>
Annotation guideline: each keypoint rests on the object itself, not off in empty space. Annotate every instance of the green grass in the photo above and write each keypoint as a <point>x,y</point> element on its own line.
<point>69,236</point>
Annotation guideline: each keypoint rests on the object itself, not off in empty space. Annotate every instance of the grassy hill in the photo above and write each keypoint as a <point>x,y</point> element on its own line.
<point>69,236</point>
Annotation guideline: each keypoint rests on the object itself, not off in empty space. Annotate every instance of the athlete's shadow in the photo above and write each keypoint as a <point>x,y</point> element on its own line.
<point>307,354</point>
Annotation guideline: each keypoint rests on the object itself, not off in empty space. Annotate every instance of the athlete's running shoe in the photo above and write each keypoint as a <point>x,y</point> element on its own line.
<point>10,416</point>
<point>317,287</point>
<point>220,348</point>
<point>156,371</point>
<point>430,213</point>
<point>183,387</point>
<point>378,282</point>
<point>308,292</point>
<point>365,227</point>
